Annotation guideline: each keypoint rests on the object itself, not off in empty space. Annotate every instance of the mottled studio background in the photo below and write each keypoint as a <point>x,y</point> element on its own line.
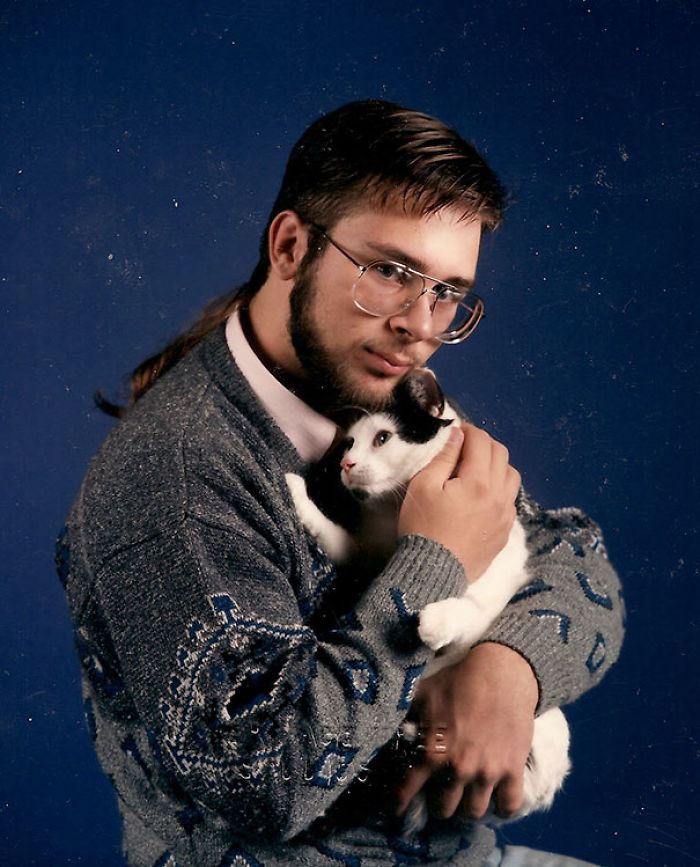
<point>141,146</point>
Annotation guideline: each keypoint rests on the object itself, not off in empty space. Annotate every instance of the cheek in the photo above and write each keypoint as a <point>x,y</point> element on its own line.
<point>393,461</point>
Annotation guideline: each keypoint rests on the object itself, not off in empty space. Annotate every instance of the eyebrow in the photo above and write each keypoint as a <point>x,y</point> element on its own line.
<point>403,258</point>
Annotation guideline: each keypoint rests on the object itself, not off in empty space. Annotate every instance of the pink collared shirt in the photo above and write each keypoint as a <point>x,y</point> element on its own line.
<point>311,433</point>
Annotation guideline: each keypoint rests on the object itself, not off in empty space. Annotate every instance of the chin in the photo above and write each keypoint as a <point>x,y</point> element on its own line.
<point>360,388</point>
<point>376,392</point>
<point>373,401</point>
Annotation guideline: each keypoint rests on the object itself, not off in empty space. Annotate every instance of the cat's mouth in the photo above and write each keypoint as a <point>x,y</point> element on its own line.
<point>356,486</point>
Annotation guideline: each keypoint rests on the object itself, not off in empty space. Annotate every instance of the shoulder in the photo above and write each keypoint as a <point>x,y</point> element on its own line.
<point>193,442</point>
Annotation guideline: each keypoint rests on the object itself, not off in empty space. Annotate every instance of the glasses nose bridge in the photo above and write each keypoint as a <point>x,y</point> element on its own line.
<point>420,318</point>
<point>425,289</point>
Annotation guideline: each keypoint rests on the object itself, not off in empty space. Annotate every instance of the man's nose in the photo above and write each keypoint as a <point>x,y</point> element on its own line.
<point>416,321</point>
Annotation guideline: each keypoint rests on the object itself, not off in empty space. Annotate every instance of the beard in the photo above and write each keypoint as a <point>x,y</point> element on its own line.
<point>327,387</point>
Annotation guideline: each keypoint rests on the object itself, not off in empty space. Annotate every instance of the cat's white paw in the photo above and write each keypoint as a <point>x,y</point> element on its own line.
<point>297,488</point>
<point>434,625</point>
<point>456,619</point>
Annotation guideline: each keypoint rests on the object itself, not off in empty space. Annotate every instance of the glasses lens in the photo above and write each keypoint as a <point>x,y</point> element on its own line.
<point>457,323</point>
<point>389,288</point>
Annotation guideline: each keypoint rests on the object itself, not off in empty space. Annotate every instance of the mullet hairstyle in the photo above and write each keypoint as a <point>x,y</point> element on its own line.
<point>370,154</point>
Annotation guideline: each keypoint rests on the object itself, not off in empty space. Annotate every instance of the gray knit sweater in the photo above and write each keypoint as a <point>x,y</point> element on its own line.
<point>237,707</point>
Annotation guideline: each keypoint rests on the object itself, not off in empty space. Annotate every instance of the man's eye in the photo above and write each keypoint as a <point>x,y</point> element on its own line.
<point>382,437</point>
<point>392,273</point>
<point>449,295</point>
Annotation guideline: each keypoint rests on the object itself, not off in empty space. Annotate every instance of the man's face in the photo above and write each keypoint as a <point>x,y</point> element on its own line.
<point>348,356</point>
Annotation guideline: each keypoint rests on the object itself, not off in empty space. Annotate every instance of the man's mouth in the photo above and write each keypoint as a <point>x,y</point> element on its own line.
<point>389,363</point>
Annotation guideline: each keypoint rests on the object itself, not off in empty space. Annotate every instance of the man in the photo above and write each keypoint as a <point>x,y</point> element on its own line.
<point>240,709</point>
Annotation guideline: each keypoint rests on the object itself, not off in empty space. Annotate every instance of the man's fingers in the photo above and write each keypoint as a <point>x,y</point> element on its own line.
<point>478,447</point>
<point>476,798</point>
<point>449,793</point>
<point>483,454</point>
<point>447,799</point>
<point>444,464</point>
<point>509,796</point>
<point>413,782</point>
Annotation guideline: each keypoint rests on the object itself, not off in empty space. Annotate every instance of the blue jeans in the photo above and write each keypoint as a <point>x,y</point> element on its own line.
<point>521,856</point>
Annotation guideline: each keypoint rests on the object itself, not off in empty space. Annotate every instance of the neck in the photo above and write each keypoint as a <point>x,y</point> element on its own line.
<point>294,382</point>
<point>266,325</point>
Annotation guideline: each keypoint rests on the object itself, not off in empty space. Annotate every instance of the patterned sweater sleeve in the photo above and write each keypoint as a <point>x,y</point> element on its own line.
<point>225,697</point>
<point>568,622</point>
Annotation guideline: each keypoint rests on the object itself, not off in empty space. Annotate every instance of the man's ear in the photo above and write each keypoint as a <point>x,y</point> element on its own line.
<point>287,243</point>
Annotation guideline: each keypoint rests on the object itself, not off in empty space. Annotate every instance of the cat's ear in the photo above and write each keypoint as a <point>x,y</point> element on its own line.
<point>424,389</point>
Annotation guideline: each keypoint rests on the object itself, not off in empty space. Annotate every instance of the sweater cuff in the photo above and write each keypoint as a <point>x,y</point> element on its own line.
<point>419,572</point>
<point>425,571</point>
<point>532,641</point>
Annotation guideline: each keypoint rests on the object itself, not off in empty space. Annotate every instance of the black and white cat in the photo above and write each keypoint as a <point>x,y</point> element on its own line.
<point>382,452</point>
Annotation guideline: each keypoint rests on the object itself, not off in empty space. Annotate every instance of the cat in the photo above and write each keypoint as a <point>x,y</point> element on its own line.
<point>382,451</point>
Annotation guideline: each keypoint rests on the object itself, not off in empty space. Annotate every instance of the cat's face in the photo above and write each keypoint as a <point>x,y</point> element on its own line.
<point>379,461</point>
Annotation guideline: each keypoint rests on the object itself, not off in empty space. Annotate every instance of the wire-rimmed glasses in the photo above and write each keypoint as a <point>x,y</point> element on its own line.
<point>387,288</point>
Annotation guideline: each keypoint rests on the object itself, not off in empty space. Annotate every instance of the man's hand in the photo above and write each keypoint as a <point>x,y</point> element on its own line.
<point>464,499</point>
<point>476,720</point>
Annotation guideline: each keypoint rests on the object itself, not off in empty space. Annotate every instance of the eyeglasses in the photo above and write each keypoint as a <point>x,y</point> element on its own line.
<point>386,288</point>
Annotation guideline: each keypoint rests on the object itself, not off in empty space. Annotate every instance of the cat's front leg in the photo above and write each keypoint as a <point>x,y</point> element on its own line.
<point>457,620</point>
<point>336,541</point>
<point>462,620</point>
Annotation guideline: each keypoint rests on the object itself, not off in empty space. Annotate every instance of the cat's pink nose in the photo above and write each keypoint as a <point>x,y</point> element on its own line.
<point>347,465</point>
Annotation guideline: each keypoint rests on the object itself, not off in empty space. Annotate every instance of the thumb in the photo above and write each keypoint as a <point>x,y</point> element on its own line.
<point>443,465</point>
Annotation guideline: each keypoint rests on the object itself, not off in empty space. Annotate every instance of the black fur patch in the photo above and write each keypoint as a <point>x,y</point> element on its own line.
<point>325,488</point>
<point>413,410</point>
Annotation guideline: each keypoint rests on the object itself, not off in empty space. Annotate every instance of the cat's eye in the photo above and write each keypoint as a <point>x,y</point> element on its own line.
<point>382,437</point>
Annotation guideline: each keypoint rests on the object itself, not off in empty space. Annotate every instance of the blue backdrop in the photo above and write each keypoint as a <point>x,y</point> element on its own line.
<point>142,145</point>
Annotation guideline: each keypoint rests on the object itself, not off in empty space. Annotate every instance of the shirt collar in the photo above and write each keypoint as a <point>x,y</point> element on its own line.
<point>311,433</point>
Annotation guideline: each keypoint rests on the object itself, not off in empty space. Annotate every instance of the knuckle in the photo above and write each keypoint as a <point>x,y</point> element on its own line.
<point>465,767</point>
<point>501,451</point>
<point>479,436</point>
<point>482,490</point>
<point>488,774</point>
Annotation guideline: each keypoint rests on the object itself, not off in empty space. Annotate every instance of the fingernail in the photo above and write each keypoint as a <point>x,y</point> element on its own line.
<point>456,434</point>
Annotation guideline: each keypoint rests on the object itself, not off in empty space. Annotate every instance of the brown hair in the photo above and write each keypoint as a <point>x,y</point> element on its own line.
<point>371,152</point>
